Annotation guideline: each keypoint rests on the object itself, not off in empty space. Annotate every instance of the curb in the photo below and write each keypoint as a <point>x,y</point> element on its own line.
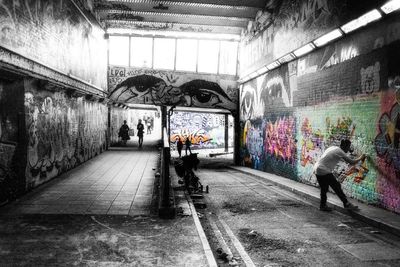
<point>362,217</point>
<point>206,246</point>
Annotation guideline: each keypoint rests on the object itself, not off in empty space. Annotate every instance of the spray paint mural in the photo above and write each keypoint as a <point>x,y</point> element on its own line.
<point>141,86</point>
<point>203,129</point>
<point>387,145</point>
<point>40,29</point>
<point>62,131</point>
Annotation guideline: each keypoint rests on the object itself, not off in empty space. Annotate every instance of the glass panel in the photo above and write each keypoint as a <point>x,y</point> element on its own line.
<point>119,50</point>
<point>208,56</point>
<point>186,55</point>
<point>141,52</point>
<point>228,58</point>
<point>164,53</point>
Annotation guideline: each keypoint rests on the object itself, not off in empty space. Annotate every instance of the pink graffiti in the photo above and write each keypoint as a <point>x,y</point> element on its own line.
<point>280,140</point>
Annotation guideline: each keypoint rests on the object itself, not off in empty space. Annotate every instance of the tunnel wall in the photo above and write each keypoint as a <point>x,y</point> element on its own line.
<point>348,89</point>
<point>286,25</point>
<point>63,131</point>
<point>12,141</point>
<point>55,34</point>
<point>53,78</point>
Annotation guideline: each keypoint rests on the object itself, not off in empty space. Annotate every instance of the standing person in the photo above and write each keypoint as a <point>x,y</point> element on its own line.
<point>324,172</point>
<point>140,129</point>
<point>124,133</point>
<point>179,146</point>
<point>188,143</point>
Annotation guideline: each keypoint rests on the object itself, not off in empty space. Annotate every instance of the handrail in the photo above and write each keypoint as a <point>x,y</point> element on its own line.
<point>166,208</point>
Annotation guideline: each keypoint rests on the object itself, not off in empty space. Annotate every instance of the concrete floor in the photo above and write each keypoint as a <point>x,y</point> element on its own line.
<point>118,182</point>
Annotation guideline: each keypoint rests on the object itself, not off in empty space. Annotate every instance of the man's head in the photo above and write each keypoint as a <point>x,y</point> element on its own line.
<point>345,145</point>
<point>124,122</point>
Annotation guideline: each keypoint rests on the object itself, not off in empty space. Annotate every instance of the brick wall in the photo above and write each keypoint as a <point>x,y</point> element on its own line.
<point>348,89</point>
<point>62,131</point>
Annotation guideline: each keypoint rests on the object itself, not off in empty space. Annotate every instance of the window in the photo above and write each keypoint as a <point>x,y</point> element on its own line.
<point>186,55</point>
<point>228,57</point>
<point>141,52</point>
<point>119,50</point>
<point>208,56</point>
<point>164,53</point>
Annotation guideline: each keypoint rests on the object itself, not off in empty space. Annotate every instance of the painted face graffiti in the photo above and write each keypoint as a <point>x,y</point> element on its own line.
<point>148,89</point>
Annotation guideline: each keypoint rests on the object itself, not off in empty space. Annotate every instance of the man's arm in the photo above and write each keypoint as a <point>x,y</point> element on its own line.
<point>353,161</point>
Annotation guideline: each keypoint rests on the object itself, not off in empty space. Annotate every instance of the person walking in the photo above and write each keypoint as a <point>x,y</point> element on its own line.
<point>179,146</point>
<point>188,143</point>
<point>140,129</point>
<point>323,170</point>
<point>124,133</point>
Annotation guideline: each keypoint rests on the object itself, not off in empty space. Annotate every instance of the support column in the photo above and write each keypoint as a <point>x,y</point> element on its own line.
<point>226,132</point>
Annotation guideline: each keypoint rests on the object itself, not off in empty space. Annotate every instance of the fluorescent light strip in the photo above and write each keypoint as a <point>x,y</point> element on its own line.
<point>252,75</point>
<point>286,58</point>
<point>273,65</point>
<point>391,6</point>
<point>304,50</point>
<point>369,17</point>
<point>263,70</point>
<point>324,39</point>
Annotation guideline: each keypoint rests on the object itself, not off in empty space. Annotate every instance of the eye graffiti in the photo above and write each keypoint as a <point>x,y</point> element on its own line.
<point>148,89</point>
<point>247,103</point>
<point>201,93</point>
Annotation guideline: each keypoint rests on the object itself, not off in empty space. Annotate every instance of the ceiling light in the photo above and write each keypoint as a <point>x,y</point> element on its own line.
<point>263,70</point>
<point>304,50</point>
<point>324,39</point>
<point>361,21</point>
<point>273,65</point>
<point>391,6</point>
<point>253,75</point>
<point>286,58</point>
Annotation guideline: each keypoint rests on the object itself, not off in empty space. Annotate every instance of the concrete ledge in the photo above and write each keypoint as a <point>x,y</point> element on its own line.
<point>375,216</point>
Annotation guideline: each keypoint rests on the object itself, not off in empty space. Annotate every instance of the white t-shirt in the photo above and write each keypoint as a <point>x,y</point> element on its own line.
<point>329,159</point>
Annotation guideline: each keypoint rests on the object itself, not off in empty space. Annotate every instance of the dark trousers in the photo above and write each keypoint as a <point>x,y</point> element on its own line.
<point>329,180</point>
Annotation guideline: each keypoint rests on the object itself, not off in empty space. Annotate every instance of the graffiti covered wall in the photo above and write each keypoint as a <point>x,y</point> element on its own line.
<point>142,86</point>
<point>56,34</point>
<point>63,131</point>
<point>287,25</point>
<point>349,89</point>
<point>12,155</point>
<point>205,130</point>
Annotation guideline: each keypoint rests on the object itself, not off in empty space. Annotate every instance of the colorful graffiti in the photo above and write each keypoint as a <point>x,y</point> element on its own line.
<point>205,130</point>
<point>163,88</point>
<point>62,133</point>
<point>387,142</point>
<point>280,139</point>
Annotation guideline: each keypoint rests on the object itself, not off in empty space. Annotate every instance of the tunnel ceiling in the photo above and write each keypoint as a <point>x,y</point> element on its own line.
<point>209,16</point>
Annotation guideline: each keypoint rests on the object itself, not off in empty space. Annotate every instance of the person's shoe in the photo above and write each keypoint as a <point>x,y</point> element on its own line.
<point>325,208</point>
<point>349,206</point>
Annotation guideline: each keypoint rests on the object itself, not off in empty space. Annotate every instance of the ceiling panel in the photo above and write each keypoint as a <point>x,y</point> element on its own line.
<point>224,16</point>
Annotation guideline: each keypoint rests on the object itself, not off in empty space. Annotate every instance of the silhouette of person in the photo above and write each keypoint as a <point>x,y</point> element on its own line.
<point>124,133</point>
<point>140,129</point>
<point>179,146</point>
<point>188,143</point>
